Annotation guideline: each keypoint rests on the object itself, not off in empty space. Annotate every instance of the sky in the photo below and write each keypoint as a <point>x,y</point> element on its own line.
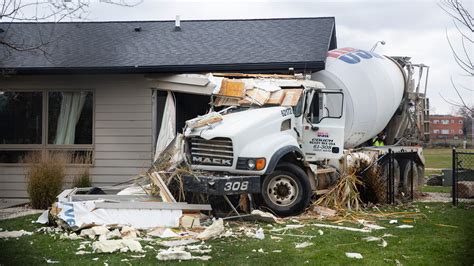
<point>414,28</point>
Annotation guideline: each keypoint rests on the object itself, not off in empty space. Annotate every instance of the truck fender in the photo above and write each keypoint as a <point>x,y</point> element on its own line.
<point>280,154</point>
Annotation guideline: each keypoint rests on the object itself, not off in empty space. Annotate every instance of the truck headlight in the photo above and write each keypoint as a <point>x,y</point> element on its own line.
<point>251,163</point>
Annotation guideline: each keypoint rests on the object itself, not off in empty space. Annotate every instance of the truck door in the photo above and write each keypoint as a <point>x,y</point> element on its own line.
<point>323,125</point>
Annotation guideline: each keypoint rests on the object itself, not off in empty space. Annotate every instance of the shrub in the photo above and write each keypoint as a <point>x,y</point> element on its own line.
<point>82,179</point>
<point>45,175</point>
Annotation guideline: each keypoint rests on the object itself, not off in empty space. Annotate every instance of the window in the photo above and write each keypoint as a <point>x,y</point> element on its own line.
<point>325,105</point>
<point>460,122</point>
<point>20,117</point>
<point>44,120</point>
<point>436,131</point>
<point>435,121</point>
<point>451,131</point>
<point>445,131</point>
<point>452,121</point>
<point>461,132</point>
<point>445,122</point>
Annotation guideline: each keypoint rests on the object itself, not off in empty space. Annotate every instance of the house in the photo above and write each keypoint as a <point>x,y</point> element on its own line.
<point>446,127</point>
<point>99,88</point>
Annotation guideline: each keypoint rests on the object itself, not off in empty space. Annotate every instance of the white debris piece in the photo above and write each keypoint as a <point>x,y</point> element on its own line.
<point>276,251</point>
<point>50,261</point>
<point>14,234</point>
<point>383,243</point>
<point>260,250</point>
<point>288,226</point>
<point>353,255</point>
<point>370,226</point>
<point>362,230</point>
<point>128,232</point>
<point>324,212</point>
<point>138,256</point>
<point>43,218</point>
<point>200,249</point>
<point>259,234</point>
<point>177,243</point>
<point>393,222</point>
<point>95,231</point>
<point>265,216</point>
<point>174,254</point>
<point>303,245</point>
<point>114,234</point>
<point>214,230</point>
<point>371,238</point>
<point>122,245</point>
<point>404,226</point>
<point>82,252</point>
<point>320,232</point>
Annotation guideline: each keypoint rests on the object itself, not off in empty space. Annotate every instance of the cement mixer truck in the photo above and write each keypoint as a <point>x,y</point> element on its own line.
<point>284,155</point>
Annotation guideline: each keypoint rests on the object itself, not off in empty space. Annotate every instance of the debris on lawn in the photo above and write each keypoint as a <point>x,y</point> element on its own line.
<point>213,230</point>
<point>362,230</point>
<point>303,245</point>
<point>50,261</point>
<point>404,226</point>
<point>393,221</point>
<point>383,243</point>
<point>353,255</point>
<point>14,234</point>
<point>122,245</point>
<point>265,217</point>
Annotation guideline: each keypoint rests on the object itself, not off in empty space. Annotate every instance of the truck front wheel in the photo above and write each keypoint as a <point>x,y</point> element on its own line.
<point>286,191</point>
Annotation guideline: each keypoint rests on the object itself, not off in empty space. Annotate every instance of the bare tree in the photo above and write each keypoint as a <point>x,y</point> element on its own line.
<point>464,24</point>
<point>41,11</point>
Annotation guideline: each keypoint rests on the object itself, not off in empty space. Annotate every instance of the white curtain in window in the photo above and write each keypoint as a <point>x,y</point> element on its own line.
<point>168,126</point>
<point>71,108</point>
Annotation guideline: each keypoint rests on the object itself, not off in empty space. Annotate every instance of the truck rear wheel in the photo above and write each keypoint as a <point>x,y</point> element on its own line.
<point>287,190</point>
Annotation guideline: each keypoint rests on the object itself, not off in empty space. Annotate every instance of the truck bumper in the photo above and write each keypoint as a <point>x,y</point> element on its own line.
<point>222,185</point>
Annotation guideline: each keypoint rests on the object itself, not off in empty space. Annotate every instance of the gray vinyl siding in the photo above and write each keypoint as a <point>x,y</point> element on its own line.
<point>122,128</point>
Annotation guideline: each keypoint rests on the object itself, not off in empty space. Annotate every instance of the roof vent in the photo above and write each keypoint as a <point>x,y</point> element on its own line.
<point>177,24</point>
<point>137,29</point>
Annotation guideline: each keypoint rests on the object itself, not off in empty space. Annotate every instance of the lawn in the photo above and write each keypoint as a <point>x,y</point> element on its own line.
<point>438,158</point>
<point>444,237</point>
<point>439,189</point>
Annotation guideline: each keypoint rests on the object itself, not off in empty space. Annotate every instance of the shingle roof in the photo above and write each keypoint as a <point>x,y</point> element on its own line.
<point>264,45</point>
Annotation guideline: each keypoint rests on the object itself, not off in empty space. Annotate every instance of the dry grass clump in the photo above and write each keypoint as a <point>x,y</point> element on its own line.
<point>83,162</point>
<point>344,195</point>
<point>45,175</point>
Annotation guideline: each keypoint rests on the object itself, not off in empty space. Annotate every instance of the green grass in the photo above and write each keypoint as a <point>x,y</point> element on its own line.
<point>440,189</point>
<point>439,158</point>
<point>425,244</point>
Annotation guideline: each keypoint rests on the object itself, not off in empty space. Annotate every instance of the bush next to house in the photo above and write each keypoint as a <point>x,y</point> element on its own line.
<point>45,175</point>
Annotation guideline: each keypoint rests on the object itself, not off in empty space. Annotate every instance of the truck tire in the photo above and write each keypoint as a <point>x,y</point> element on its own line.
<point>287,190</point>
<point>407,177</point>
<point>381,188</point>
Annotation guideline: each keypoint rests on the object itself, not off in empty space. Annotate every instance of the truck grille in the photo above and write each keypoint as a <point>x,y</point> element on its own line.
<point>216,151</point>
